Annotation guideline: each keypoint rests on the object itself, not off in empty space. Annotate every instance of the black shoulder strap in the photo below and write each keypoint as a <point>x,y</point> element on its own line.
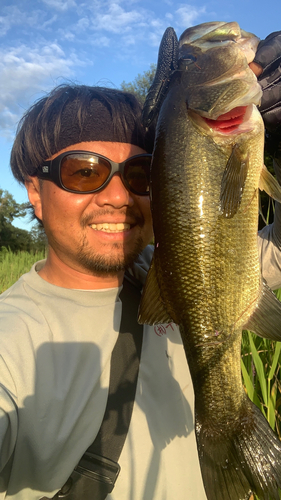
<point>98,469</point>
<point>124,370</point>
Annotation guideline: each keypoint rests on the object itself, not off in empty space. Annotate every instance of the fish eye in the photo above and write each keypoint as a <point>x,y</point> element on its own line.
<point>189,58</point>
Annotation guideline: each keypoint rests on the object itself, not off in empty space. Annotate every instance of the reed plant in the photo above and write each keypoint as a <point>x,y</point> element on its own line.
<point>13,265</point>
<point>261,373</point>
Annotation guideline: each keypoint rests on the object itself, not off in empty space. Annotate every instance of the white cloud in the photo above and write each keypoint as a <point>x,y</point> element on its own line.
<point>24,73</point>
<point>61,5</point>
<point>12,16</point>
<point>5,24</point>
<point>187,15</point>
<point>169,16</point>
<point>77,33</point>
<point>49,22</point>
<point>116,19</point>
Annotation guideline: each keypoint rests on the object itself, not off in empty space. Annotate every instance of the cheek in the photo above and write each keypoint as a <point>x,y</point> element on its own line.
<point>60,207</point>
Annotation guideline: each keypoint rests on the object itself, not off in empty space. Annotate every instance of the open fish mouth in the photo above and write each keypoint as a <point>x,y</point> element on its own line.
<point>241,119</point>
<point>229,121</point>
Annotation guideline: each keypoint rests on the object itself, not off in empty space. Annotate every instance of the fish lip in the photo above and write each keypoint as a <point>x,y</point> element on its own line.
<point>225,126</point>
<point>228,121</point>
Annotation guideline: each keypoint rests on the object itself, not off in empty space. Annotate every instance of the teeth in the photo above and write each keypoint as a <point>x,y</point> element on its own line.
<point>111,228</point>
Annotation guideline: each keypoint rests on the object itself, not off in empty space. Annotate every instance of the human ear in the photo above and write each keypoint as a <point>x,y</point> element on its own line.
<point>33,187</point>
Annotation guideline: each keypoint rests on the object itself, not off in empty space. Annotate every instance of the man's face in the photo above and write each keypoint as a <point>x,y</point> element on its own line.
<point>98,233</point>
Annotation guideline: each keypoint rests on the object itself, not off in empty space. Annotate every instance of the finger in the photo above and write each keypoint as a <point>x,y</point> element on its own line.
<point>256,68</point>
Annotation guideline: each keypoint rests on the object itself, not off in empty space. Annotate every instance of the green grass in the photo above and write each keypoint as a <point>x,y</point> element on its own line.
<point>13,265</point>
<point>262,376</point>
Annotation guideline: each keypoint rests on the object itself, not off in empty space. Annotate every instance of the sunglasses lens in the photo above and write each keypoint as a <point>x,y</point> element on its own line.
<point>137,174</point>
<point>84,171</point>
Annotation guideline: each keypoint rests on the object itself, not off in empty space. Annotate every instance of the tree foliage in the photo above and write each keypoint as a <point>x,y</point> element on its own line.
<point>141,84</point>
<point>12,237</point>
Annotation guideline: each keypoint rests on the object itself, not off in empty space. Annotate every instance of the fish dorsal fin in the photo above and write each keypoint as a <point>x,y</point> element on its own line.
<point>265,321</point>
<point>270,185</point>
<point>232,184</point>
<point>167,63</point>
<point>152,308</point>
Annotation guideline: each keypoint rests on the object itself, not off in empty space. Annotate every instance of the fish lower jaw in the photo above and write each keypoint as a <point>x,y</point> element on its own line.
<point>230,123</point>
<point>109,227</point>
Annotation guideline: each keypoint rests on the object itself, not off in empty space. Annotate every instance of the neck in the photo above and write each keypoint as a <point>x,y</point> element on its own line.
<point>58,273</point>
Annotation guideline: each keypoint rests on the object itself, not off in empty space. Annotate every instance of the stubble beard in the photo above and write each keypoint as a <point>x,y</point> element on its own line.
<point>117,260</point>
<point>102,265</point>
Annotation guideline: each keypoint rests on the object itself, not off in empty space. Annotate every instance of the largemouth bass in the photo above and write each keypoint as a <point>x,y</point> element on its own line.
<point>205,275</point>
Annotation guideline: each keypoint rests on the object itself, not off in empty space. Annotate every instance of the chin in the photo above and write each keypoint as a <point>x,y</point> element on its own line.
<point>104,265</point>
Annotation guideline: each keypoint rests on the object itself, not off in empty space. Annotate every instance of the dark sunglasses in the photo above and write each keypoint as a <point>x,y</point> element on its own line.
<point>87,172</point>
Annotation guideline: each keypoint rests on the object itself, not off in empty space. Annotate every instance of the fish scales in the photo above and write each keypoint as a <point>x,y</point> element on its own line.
<point>208,248</point>
<point>205,274</point>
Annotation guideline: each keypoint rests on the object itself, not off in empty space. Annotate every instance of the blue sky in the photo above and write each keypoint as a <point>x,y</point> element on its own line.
<point>45,43</point>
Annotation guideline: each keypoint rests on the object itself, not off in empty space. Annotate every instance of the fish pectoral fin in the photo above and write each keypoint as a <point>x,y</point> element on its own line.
<point>266,319</point>
<point>270,185</point>
<point>232,184</point>
<point>152,309</point>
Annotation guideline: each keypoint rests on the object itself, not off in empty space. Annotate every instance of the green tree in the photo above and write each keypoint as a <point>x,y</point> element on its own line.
<point>9,208</point>
<point>141,84</point>
<point>12,237</point>
<point>39,238</point>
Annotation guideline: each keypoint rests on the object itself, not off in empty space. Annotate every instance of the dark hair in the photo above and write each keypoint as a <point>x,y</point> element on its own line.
<point>76,113</point>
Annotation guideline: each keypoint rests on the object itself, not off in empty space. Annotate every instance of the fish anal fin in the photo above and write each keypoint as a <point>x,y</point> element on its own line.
<point>232,184</point>
<point>266,318</point>
<point>270,185</point>
<point>152,309</point>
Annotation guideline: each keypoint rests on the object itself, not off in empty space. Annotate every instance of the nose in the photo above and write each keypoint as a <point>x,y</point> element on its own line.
<point>114,194</point>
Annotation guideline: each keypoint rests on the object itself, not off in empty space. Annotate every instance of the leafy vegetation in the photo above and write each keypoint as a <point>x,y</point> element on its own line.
<point>262,375</point>
<point>12,237</point>
<point>141,84</point>
<point>13,265</point>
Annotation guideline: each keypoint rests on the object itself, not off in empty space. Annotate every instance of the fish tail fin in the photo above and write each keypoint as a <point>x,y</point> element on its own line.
<point>248,460</point>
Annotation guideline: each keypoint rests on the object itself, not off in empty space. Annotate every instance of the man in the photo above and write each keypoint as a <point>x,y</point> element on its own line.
<point>60,322</point>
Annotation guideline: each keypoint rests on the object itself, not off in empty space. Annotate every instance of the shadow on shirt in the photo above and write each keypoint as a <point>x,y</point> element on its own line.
<point>61,419</point>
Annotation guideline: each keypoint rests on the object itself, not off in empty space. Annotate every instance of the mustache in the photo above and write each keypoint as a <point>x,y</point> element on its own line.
<point>129,213</point>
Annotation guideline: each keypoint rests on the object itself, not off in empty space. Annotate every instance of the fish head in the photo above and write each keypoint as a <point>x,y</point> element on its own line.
<point>214,63</point>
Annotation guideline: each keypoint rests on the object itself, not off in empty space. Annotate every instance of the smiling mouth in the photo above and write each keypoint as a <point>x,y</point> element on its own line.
<point>228,121</point>
<point>109,227</point>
